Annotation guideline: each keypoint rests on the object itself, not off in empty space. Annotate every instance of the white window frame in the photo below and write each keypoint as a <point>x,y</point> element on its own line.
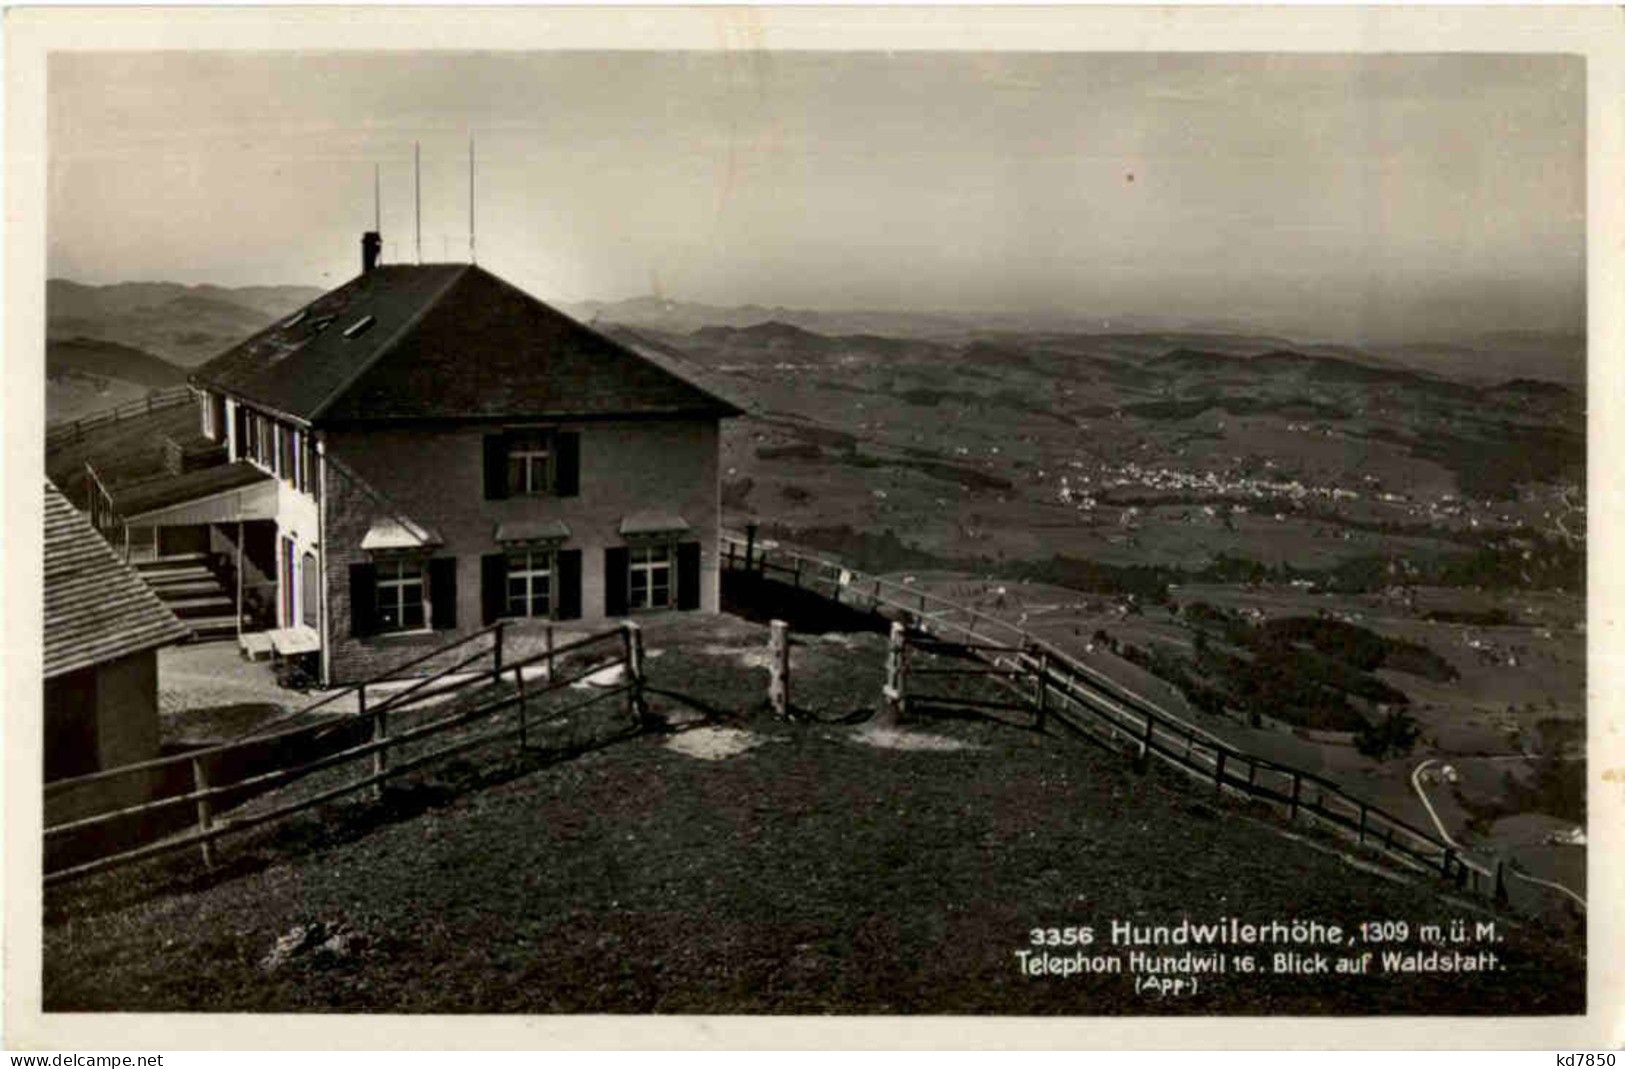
<point>647,568</point>
<point>536,449</point>
<point>539,563</point>
<point>392,575</point>
<point>208,415</point>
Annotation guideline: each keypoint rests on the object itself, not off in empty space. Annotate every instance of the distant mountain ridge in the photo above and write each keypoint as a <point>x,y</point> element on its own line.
<point>1485,359</point>
<point>184,325</point>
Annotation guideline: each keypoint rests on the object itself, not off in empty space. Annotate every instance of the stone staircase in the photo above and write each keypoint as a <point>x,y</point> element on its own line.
<point>192,592</point>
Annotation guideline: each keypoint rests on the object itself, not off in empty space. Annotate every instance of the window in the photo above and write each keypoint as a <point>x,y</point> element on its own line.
<point>649,586</point>
<point>530,582</point>
<point>288,454</point>
<point>530,464</point>
<point>309,473</point>
<point>400,595</point>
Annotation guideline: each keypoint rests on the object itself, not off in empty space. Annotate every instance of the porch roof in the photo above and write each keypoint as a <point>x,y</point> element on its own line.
<point>140,500</point>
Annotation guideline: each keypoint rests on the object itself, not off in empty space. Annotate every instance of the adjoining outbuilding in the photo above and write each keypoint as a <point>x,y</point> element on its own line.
<point>103,628</point>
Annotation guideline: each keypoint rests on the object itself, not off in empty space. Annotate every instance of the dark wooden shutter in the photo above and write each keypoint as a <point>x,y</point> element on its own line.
<point>493,586</point>
<point>568,563</point>
<point>688,575</point>
<point>241,428</point>
<point>443,593</point>
<point>363,599</point>
<point>496,467</point>
<point>617,566</point>
<point>567,472</point>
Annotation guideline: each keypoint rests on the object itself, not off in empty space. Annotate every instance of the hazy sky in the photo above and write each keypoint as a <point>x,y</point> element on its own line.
<point>1341,197</point>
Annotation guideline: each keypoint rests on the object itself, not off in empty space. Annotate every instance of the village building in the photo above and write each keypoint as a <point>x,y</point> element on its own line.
<point>103,628</point>
<point>427,450</point>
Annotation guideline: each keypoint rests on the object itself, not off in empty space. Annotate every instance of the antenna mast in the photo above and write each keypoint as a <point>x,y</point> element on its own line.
<point>471,258</point>
<point>417,200</point>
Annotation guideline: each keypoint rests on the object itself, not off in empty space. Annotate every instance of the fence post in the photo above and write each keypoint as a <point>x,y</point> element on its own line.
<point>1501,895</point>
<point>547,645</point>
<point>496,653</point>
<point>893,692</point>
<point>632,643</point>
<point>778,666</point>
<point>1218,772</point>
<point>1143,762</point>
<point>1446,862</point>
<point>1297,787</point>
<point>1362,823</point>
<point>1043,689</point>
<point>519,684</point>
<point>750,544</point>
<point>798,573</point>
<point>380,731</point>
<point>205,810</point>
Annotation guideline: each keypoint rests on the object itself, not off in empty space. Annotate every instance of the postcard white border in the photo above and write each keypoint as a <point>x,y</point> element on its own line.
<point>31,34</point>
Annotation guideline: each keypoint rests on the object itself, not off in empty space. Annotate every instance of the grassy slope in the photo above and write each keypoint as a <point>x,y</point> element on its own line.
<point>811,874</point>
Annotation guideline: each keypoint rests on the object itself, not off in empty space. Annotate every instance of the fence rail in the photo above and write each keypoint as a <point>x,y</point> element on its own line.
<point>1058,686</point>
<point>167,397</point>
<point>377,748</point>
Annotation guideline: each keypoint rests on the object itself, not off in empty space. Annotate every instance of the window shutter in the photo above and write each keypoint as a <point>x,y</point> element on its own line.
<point>568,564</point>
<point>443,593</point>
<point>363,599</point>
<point>688,575</point>
<point>493,586</point>
<point>617,567</point>
<point>567,473</point>
<point>496,467</point>
<point>241,435</point>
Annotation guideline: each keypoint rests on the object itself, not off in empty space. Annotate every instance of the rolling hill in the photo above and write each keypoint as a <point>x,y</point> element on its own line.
<point>184,325</point>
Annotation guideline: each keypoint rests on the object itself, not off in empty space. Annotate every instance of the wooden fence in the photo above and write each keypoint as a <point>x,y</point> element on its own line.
<point>167,397</point>
<point>468,676</point>
<point>1055,686</point>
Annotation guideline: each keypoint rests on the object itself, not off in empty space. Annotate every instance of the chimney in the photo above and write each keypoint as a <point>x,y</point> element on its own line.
<point>371,245</point>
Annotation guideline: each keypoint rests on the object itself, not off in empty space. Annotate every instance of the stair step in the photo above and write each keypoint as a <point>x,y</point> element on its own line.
<point>188,588</point>
<point>176,575</point>
<point>172,559</point>
<point>195,607</point>
<point>205,628</point>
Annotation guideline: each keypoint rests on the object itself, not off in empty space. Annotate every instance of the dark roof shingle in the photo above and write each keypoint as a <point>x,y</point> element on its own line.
<point>96,608</point>
<point>447,342</point>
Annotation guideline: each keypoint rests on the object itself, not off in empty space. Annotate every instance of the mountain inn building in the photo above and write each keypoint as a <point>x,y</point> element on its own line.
<point>427,450</point>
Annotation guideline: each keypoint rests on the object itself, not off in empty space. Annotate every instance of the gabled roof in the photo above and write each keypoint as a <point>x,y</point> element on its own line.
<point>96,608</point>
<point>444,342</point>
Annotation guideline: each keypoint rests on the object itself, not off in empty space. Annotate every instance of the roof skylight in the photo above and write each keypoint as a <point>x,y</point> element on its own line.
<point>360,326</point>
